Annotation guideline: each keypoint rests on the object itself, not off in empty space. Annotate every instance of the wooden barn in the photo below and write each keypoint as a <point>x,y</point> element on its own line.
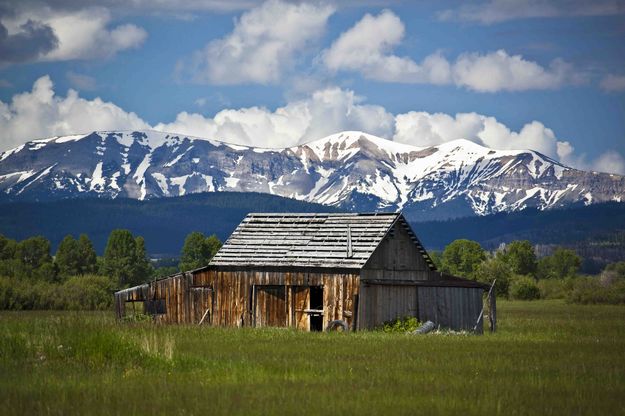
<point>308,270</point>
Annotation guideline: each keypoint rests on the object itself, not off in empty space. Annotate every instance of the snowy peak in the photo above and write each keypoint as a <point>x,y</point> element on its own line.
<point>337,146</point>
<point>350,169</point>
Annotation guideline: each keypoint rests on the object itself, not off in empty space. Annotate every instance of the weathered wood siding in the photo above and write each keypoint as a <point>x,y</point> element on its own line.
<point>397,258</point>
<point>383,303</point>
<point>184,302</point>
<point>237,301</point>
<point>246,297</point>
<point>456,308</point>
<point>270,306</point>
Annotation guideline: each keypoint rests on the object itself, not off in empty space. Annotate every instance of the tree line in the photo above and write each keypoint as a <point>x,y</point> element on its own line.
<point>75,277</point>
<point>519,274</point>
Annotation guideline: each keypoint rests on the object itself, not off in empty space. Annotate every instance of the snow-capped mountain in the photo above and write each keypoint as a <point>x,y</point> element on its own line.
<point>350,169</point>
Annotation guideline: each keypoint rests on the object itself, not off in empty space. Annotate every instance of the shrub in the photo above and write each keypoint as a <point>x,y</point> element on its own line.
<point>77,293</point>
<point>554,288</point>
<point>405,324</point>
<point>137,317</point>
<point>590,290</point>
<point>524,288</point>
<point>88,292</point>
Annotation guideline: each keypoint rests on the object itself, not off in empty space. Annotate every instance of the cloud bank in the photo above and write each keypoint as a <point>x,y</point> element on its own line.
<point>367,47</point>
<point>263,45</point>
<point>44,34</point>
<point>42,113</point>
<point>28,42</point>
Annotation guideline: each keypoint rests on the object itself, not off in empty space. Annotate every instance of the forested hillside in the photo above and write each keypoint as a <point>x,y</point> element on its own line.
<point>593,231</point>
<point>163,222</point>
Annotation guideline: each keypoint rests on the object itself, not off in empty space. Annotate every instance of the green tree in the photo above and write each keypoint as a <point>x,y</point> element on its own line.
<point>67,257</point>
<point>561,264</point>
<point>8,262</point>
<point>32,260</point>
<point>88,256</point>
<point>521,258</point>
<point>198,250</point>
<point>33,252</point>
<point>462,258</point>
<point>125,260</point>
<point>7,248</point>
<point>495,268</point>
<point>76,257</point>
<point>143,268</point>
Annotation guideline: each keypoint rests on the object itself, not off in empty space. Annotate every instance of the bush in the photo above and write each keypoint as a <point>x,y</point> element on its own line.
<point>590,290</point>
<point>555,288</point>
<point>77,293</point>
<point>88,292</point>
<point>524,288</point>
<point>405,324</point>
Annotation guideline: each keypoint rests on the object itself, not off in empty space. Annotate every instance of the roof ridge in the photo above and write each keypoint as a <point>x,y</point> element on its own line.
<point>305,239</point>
<point>310,214</point>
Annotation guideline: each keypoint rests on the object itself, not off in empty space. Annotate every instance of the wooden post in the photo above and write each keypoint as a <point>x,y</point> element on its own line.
<point>355,313</point>
<point>254,305</point>
<point>488,297</point>
<point>492,316</point>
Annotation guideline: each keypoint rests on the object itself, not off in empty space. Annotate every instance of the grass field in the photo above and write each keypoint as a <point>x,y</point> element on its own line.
<point>546,358</point>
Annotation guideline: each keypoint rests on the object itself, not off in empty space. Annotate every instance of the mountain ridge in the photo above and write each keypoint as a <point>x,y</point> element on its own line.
<point>350,170</point>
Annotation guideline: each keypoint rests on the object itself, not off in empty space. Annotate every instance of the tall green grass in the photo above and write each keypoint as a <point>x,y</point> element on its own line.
<point>547,358</point>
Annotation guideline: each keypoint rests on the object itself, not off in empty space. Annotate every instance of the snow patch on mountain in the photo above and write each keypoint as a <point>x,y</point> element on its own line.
<point>349,169</point>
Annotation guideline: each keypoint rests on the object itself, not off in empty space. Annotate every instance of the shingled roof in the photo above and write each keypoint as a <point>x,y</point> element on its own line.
<point>308,240</point>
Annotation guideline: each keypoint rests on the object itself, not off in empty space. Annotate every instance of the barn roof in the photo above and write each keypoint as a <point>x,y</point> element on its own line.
<point>309,240</point>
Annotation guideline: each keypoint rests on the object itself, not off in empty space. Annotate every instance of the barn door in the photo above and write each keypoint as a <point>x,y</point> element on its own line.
<point>301,300</point>
<point>308,307</point>
<point>201,305</point>
<point>270,306</point>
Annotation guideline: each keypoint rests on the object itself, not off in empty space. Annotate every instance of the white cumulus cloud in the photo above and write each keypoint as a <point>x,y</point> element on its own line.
<point>264,43</point>
<point>323,113</point>
<point>367,48</point>
<point>497,71</point>
<point>81,34</point>
<point>611,162</point>
<point>40,113</point>
<point>428,129</point>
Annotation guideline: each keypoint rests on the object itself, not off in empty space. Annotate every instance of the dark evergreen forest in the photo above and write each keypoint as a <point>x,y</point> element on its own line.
<point>594,231</point>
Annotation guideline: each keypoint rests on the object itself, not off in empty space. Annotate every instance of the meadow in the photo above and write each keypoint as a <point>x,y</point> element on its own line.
<point>547,357</point>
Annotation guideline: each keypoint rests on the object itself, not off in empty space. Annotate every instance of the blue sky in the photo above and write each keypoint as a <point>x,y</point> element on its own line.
<point>507,74</point>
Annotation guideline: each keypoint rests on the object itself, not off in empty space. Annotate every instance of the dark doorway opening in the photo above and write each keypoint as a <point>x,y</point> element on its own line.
<point>316,306</point>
